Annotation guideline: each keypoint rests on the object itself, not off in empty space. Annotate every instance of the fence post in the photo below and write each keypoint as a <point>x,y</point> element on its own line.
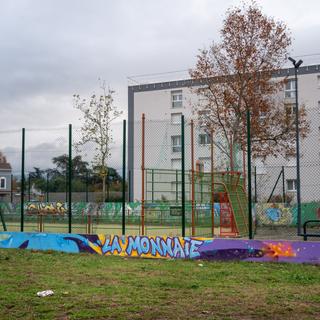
<point>22,181</point>
<point>283,187</point>
<point>249,175</point>
<point>212,184</point>
<point>192,179</point>
<point>124,178</point>
<point>183,205</point>
<point>142,174</point>
<point>70,180</point>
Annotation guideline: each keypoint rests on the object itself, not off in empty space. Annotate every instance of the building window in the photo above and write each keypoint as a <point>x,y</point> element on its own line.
<point>2,183</point>
<point>290,89</point>
<point>176,118</point>
<point>292,185</point>
<point>176,99</point>
<point>176,143</point>
<point>204,138</point>
<point>176,164</point>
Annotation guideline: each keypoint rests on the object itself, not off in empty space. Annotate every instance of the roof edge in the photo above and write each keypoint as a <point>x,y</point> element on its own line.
<point>285,72</point>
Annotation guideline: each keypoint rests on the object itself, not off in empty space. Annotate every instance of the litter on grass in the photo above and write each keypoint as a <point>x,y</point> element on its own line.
<point>45,293</point>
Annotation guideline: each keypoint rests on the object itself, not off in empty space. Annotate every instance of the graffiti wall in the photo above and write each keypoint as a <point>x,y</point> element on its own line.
<point>279,214</point>
<point>167,247</point>
<point>162,211</point>
<point>265,214</point>
<point>275,214</point>
<point>46,208</point>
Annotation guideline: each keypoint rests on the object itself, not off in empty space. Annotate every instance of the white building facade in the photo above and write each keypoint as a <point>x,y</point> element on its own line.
<point>163,104</point>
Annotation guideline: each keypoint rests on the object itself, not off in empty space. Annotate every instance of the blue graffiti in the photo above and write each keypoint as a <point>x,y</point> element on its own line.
<point>164,247</point>
<point>273,214</point>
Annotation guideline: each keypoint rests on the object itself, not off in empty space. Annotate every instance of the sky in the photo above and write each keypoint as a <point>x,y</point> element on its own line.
<point>52,49</point>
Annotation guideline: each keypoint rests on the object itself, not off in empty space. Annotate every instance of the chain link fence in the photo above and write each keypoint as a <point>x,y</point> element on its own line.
<point>181,180</point>
<point>275,189</point>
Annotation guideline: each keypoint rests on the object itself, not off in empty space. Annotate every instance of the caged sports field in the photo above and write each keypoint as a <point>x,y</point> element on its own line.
<point>206,242</point>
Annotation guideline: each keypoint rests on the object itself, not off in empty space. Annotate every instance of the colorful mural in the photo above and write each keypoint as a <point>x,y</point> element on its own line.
<point>46,208</point>
<point>265,214</point>
<point>279,214</point>
<point>276,214</point>
<point>167,247</point>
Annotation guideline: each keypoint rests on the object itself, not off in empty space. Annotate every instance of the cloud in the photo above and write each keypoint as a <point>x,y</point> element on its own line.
<point>53,49</point>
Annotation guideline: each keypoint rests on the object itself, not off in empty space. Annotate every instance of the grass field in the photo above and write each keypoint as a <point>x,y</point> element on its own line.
<point>94,287</point>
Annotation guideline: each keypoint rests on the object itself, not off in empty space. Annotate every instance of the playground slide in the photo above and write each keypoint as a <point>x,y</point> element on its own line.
<point>239,205</point>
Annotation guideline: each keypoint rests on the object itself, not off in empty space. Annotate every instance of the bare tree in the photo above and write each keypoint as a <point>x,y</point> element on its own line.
<point>236,75</point>
<point>98,113</point>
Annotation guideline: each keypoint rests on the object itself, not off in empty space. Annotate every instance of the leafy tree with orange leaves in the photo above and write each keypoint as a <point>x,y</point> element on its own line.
<point>236,75</point>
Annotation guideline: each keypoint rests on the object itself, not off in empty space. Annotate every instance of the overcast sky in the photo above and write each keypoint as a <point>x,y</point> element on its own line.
<point>52,49</point>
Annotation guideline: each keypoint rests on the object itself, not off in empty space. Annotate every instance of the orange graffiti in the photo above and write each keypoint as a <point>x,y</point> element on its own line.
<point>278,250</point>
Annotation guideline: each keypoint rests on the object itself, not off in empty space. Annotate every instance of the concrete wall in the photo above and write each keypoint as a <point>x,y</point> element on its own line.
<point>167,247</point>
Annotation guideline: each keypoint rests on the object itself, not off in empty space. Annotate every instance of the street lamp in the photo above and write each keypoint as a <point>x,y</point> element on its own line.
<point>296,65</point>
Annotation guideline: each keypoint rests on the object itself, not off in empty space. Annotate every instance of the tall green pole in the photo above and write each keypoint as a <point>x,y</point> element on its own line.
<point>22,180</point>
<point>249,175</point>
<point>70,179</point>
<point>183,208</point>
<point>124,177</point>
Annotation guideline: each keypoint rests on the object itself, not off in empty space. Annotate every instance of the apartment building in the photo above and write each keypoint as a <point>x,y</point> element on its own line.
<point>163,103</point>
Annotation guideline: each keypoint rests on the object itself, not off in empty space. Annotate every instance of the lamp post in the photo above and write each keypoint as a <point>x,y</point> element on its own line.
<point>296,65</point>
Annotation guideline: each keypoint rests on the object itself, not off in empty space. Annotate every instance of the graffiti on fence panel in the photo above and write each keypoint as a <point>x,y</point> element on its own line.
<point>275,214</point>
<point>46,208</point>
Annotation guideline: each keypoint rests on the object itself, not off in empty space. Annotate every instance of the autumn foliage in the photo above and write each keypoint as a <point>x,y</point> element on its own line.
<point>237,75</point>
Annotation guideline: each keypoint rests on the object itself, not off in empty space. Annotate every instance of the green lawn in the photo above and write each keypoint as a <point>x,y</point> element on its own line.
<point>94,287</point>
